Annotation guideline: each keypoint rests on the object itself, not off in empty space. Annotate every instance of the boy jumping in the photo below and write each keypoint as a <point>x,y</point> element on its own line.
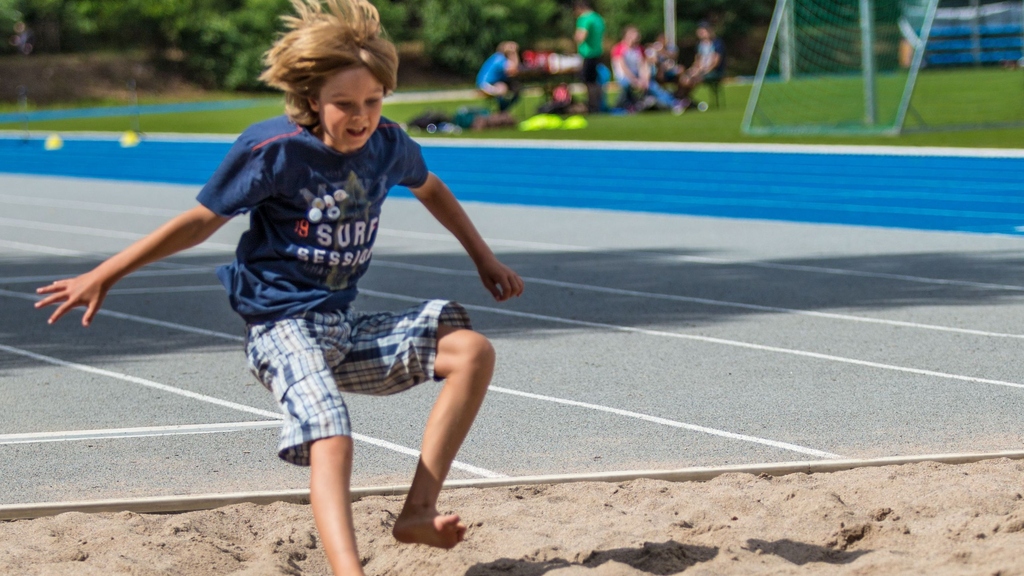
<point>313,182</point>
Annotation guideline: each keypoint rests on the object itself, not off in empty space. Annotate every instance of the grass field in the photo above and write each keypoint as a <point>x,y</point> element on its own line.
<point>943,98</point>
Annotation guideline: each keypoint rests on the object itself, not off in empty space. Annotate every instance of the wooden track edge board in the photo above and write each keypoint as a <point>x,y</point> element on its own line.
<point>178,504</point>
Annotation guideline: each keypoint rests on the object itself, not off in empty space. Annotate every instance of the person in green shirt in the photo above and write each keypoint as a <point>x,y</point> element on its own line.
<point>590,41</point>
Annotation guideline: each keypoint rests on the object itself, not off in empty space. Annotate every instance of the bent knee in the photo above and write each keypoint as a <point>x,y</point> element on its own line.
<point>483,350</point>
<point>474,347</point>
<point>463,349</point>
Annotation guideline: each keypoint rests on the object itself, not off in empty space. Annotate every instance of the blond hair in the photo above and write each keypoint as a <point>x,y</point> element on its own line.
<point>326,37</point>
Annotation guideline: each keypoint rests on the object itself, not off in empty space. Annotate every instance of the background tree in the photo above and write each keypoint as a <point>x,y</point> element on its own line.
<point>461,34</point>
<point>219,43</point>
<point>9,14</point>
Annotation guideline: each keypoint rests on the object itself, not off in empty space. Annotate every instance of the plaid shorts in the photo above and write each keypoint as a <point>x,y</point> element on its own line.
<point>307,361</point>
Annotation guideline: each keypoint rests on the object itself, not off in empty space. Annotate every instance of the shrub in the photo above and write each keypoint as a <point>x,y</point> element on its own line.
<point>461,34</point>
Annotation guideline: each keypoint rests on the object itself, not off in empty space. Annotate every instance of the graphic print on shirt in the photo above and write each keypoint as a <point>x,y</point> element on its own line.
<point>341,227</point>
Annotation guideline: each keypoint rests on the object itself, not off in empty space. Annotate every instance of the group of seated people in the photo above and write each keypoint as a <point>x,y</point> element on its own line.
<point>638,87</point>
<point>708,64</point>
<point>652,74</point>
<point>648,77</point>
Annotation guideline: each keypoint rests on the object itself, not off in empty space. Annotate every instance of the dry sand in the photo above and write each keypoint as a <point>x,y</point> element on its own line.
<point>914,519</point>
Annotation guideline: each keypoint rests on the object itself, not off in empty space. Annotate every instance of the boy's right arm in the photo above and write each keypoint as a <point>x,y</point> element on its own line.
<point>182,232</point>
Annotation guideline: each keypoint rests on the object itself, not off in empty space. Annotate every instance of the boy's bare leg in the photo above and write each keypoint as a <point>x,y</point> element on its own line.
<point>330,463</point>
<point>466,360</point>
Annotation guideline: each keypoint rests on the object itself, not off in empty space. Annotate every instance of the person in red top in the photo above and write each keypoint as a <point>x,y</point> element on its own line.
<point>633,73</point>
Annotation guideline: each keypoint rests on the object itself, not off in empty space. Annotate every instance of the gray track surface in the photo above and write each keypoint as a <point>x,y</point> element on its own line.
<point>818,376</point>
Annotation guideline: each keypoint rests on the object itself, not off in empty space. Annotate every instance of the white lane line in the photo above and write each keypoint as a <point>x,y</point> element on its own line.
<point>98,232</point>
<point>416,454</point>
<point>65,204</point>
<point>396,447</point>
<point>144,211</point>
<point>710,340</point>
<point>38,249</point>
<point>559,320</point>
<point>163,324</point>
<point>140,381</point>
<point>812,149</point>
<point>844,272</point>
<point>560,284</point>
<point>227,404</point>
<point>67,228</point>
<point>139,432</point>
<point>723,261</point>
<point>704,301</point>
<point>491,241</point>
<point>134,318</point>
<point>672,423</point>
<point>166,290</point>
<point>618,292</point>
<point>469,142</point>
<point>104,136</point>
<point>432,96</point>
<point>445,237</point>
<point>178,271</point>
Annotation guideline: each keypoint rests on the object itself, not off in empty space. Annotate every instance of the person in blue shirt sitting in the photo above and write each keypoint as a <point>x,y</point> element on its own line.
<point>496,75</point>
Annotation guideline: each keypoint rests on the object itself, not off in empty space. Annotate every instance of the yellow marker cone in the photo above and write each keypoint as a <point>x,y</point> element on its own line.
<point>53,142</point>
<point>129,139</point>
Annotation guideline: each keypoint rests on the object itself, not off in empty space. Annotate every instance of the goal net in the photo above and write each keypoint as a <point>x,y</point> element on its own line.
<point>882,66</point>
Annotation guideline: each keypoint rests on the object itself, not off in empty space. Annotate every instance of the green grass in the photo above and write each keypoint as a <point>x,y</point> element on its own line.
<point>943,98</point>
<point>212,122</point>
<point>8,107</point>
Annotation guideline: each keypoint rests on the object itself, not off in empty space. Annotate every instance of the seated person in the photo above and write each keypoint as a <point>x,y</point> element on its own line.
<point>633,73</point>
<point>496,75</point>
<point>663,59</point>
<point>709,64</point>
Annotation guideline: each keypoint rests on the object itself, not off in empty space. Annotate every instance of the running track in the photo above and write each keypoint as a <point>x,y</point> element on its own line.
<point>644,340</point>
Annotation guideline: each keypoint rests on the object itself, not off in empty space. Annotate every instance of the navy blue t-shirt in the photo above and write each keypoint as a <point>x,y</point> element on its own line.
<point>314,214</point>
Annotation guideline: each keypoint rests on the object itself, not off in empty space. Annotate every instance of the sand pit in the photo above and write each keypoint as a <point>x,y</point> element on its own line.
<point>920,518</point>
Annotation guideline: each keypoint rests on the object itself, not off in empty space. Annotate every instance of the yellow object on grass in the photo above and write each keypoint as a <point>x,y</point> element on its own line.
<point>553,122</point>
<point>129,139</point>
<point>576,122</point>
<point>541,122</point>
<point>53,142</point>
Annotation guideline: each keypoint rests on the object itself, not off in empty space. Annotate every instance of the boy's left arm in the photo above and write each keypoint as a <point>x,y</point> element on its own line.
<point>499,279</point>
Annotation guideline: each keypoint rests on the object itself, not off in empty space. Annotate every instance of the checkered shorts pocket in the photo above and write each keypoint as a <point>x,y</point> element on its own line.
<point>309,360</point>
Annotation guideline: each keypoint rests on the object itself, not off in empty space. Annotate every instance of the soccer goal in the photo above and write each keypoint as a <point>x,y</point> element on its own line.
<point>882,66</point>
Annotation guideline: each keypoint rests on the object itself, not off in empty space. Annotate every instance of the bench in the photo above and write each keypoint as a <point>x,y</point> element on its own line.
<point>959,45</point>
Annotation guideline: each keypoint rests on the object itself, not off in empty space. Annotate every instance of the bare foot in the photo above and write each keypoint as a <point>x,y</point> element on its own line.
<point>430,528</point>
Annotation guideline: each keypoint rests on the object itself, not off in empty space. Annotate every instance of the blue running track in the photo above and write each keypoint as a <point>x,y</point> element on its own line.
<point>974,193</point>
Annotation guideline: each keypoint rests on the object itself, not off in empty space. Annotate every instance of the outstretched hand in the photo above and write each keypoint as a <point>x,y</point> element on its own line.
<point>500,280</point>
<point>86,290</point>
